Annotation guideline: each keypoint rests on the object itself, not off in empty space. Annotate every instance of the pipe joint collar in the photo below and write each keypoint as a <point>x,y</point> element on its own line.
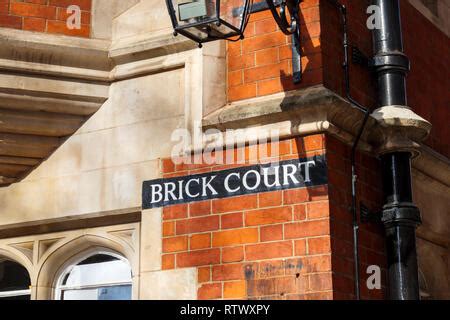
<point>401,214</point>
<point>393,61</point>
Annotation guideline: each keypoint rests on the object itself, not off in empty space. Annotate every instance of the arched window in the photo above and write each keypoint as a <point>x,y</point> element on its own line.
<point>14,281</point>
<point>102,276</point>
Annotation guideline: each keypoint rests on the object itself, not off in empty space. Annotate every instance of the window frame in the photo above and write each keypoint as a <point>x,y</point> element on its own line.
<point>60,288</point>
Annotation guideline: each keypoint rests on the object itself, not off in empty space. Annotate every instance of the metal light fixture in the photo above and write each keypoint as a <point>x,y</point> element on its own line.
<point>209,20</point>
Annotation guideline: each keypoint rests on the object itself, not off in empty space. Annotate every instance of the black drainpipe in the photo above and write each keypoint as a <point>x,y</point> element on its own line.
<point>400,216</point>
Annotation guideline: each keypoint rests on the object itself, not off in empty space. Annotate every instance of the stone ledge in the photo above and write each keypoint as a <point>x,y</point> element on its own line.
<point>54,54</point>
<point>148,46</point>
<point>87,59</point>
<point>311,110</point>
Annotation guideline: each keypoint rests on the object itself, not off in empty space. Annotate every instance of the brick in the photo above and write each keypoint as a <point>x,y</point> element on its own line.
<point>175,244</point>
<point>271,268</point>
<point>235,78</point>
<point>318,193</point>
<point>200,241</point>
<point>204,274</point>
<point>60,27</point>
<point>232,220</point>
<point>299,212</point>
<point>270,199</point>
<point>194,225</point>
<point>308,264</point>
<point>271,233</point>
<point>198,258</point>
<point>320,282</point>
<point>263,42</point>
<point>307,229</point>
<point>168,229</point>
<point>175,212</point>
<point>272,286</point>
<point>268,216</point>
<point>319,245</point>
<point>266,56</point>
<point>210,291</point>
<point>10,21</point>
<point>311,29</point>
<point>249,30</point>
<point>241,92</point>
<point>268,250</point>
<point>294,196</point>
<point>32,10</point>
<point>201,208</point>
<point>319,296</point>
<point>168,261</point>
<point>83,4</point>
<point>235,204</point>
<point>317,210</point>
<point>266,71</point>
<point>311,14</point>
<point>241,62</point>
<point>262,15</point>
<point>314,142</point>
<point>270,86</point>
<point>234,49</point>
<point>235,237</point>
<point>265,26</point>
<point>234,254</point>
<point>300,247</point>
<point>234,290</point>
<point>228,272</point>
<point>34,24</point>
<point>167,165</point>
<point>4,7</point>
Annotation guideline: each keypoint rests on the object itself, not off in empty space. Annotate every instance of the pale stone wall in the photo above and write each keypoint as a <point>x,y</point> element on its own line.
<point>102,166</point>
<point>433,241</point>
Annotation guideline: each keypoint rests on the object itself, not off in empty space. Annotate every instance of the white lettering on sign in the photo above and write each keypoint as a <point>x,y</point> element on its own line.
<point>227,182</point>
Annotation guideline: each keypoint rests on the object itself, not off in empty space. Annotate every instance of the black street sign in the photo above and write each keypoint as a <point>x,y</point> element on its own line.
<point>288,174</point>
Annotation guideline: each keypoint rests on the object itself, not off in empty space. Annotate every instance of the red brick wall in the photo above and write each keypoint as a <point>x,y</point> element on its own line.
<point>44,16</point>
<point>362,85</point>
<point>371,239</point>
<point>271,245</point>
<point>292,244</point>
<point>261,64</point>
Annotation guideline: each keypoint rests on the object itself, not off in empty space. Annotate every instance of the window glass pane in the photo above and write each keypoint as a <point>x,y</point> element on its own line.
<point>102,293</point>
<point>99,273</point>
<point>83,294</point>
<point>13,277</point>
<point>115,293</point>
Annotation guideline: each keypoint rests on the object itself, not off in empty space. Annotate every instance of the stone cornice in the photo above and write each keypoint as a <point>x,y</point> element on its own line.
<point>78,58</point>
<point>60,56</point>
<point>148,46</point>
